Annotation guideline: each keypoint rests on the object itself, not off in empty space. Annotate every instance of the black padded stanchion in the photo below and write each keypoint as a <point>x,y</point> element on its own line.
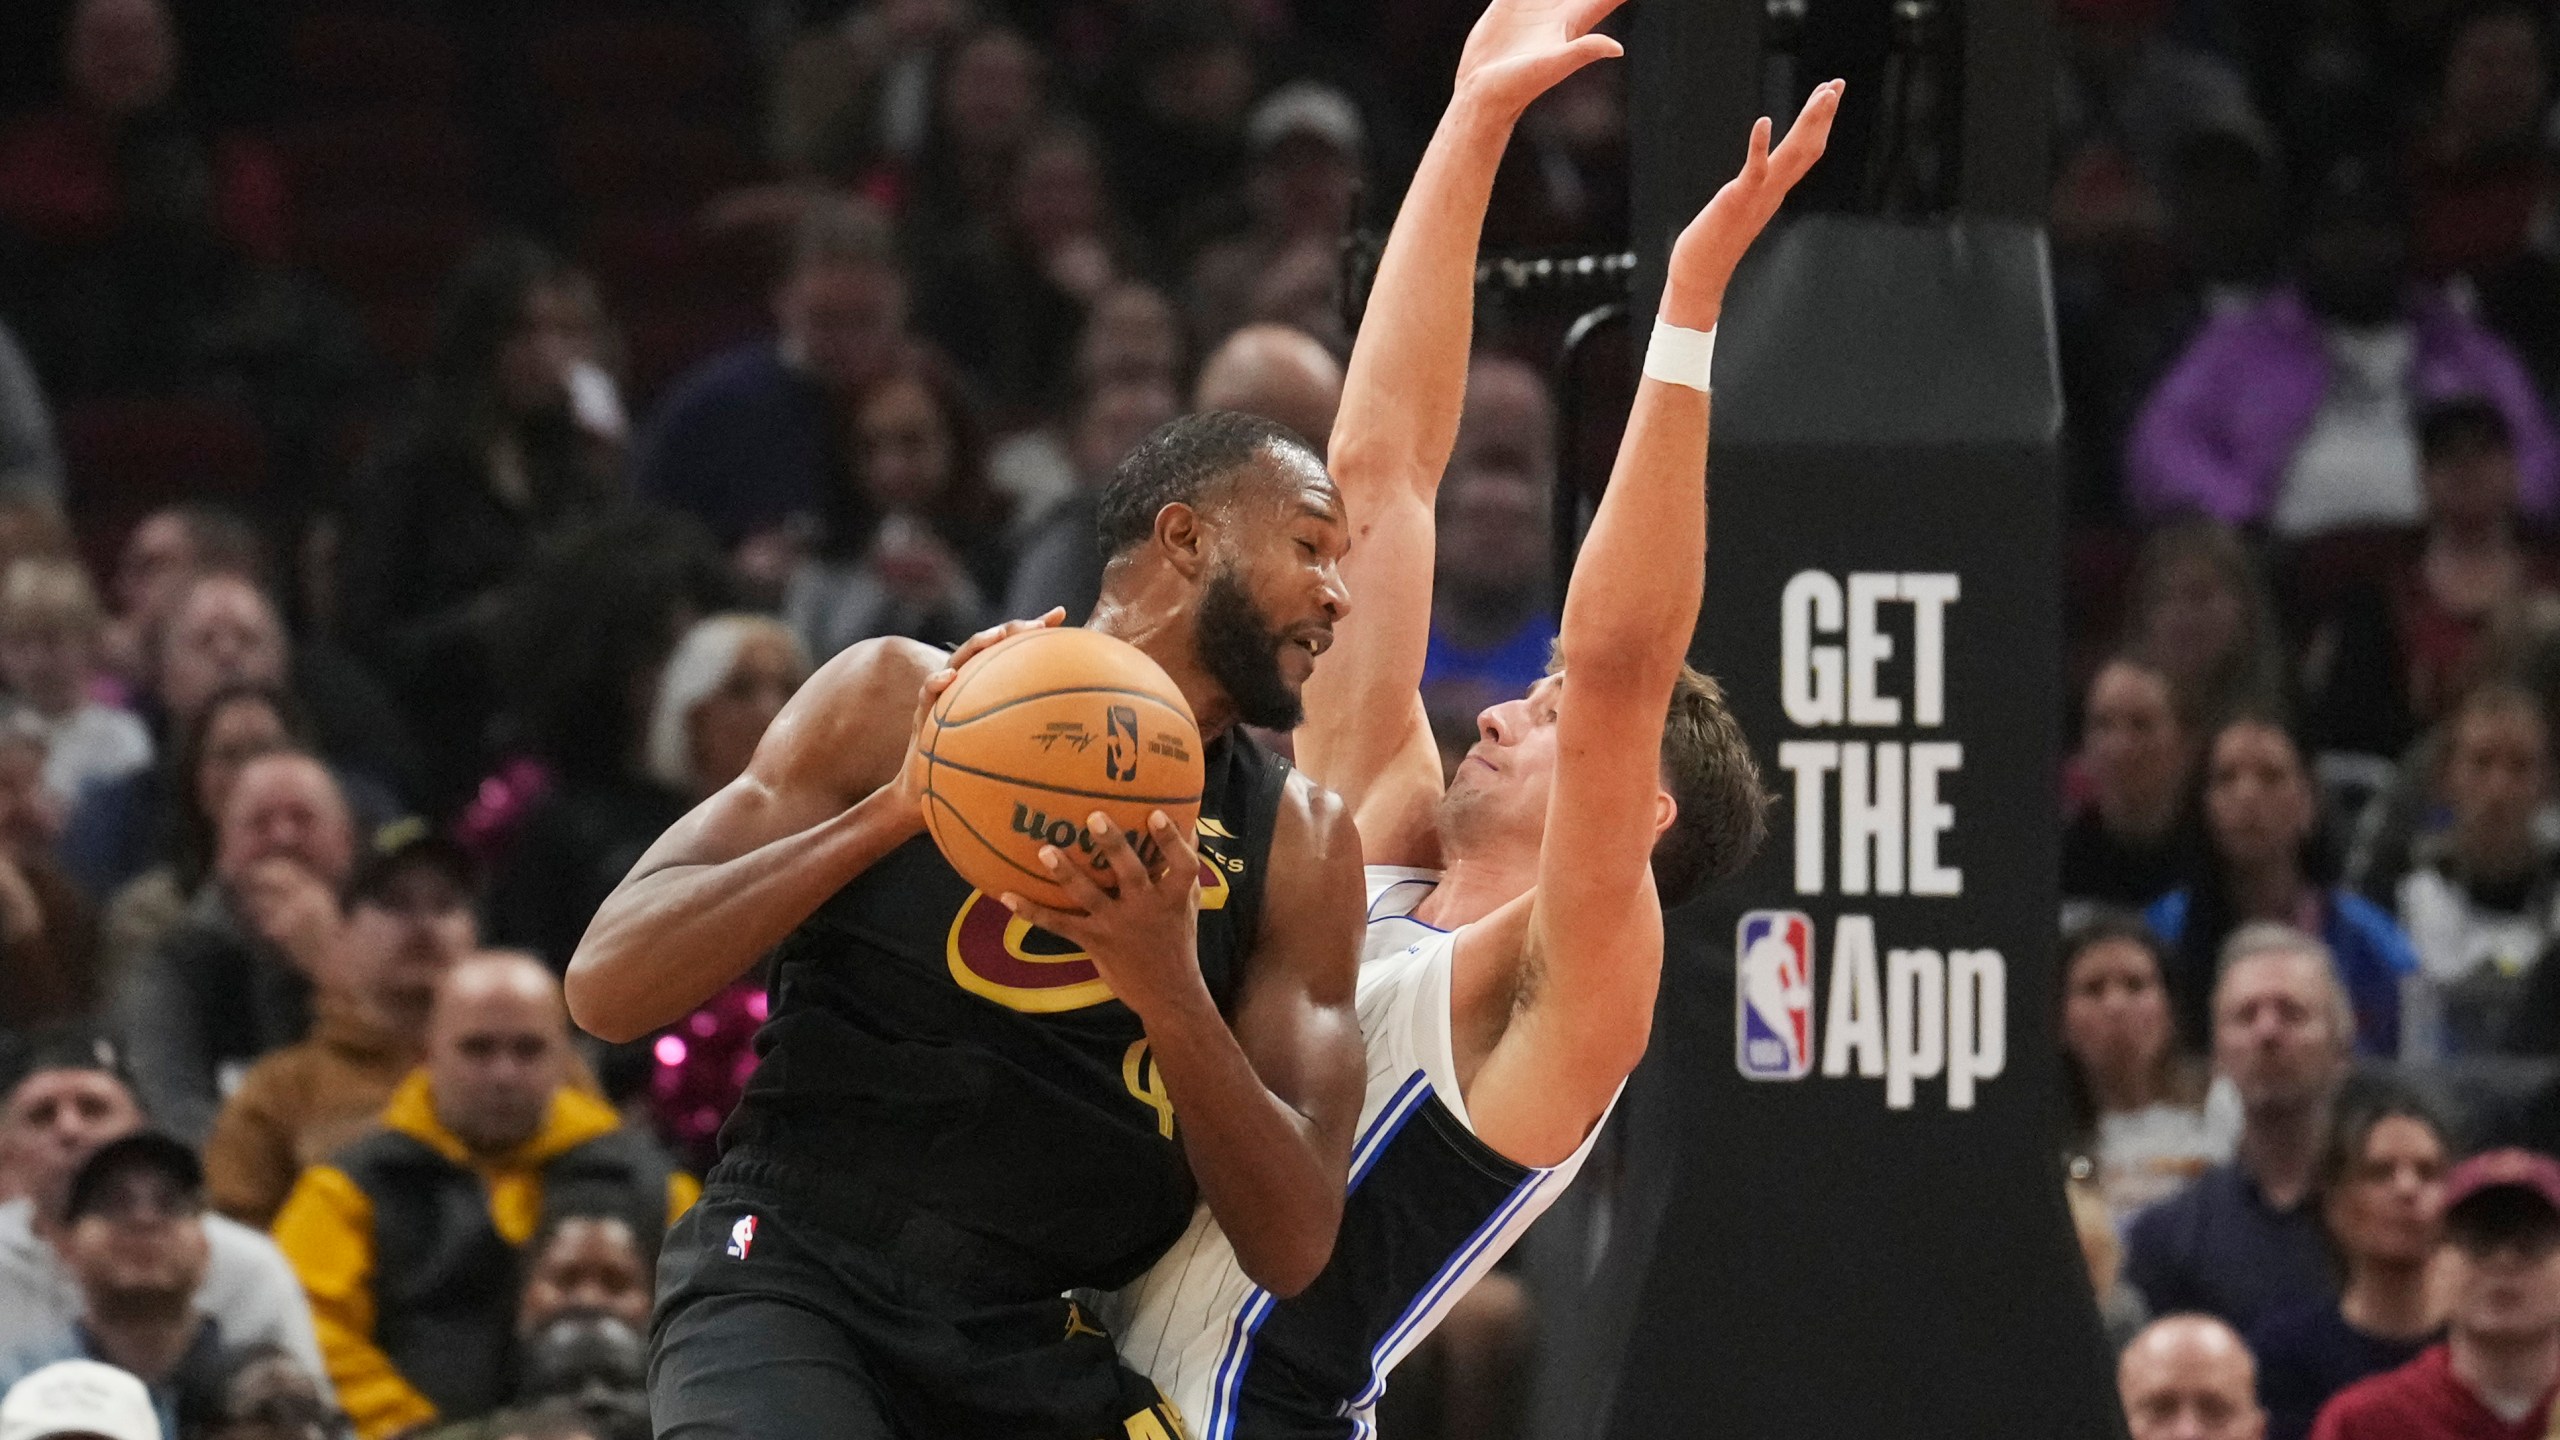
<point>1831,1207</point>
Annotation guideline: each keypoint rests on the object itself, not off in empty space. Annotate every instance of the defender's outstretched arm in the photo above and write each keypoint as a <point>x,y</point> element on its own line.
<point>1592,955</point>
<point>1365,737</point>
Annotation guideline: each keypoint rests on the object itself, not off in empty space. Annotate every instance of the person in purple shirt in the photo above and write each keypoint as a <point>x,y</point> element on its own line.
<point>2299,412</point>
<point>2245,1240</point>
<point>2381,1189</point>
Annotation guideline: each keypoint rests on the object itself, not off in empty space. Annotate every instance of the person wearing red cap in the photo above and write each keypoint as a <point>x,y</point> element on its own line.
<point>2493,1377</point>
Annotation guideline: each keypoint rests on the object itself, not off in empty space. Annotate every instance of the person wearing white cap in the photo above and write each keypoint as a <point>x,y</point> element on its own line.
<point>78,1400</point>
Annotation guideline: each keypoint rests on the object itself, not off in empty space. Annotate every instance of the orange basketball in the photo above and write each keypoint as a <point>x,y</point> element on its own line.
<point>1038,732</point>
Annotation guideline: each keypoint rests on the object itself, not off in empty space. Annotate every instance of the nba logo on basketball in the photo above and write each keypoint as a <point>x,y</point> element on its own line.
<point>1773,995</point>
<point>742,1237</point>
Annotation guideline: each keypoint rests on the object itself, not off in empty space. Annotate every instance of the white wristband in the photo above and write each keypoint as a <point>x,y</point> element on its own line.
<point>1680,357</point>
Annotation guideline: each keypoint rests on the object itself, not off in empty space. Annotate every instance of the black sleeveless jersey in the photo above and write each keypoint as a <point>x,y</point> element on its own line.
<point>934,1053</point>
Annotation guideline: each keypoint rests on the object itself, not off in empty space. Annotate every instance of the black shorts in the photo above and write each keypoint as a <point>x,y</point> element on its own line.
<point>774,1326</point>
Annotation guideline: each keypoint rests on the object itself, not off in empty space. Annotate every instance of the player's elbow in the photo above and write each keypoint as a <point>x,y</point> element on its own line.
<point>1381,460</point>
<point>1286,1274</point>
<point>1287,1258</point>
<point>593,1003</point>
<point>1623,1049</point>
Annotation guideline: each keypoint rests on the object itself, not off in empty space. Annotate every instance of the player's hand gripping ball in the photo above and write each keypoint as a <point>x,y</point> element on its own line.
<point>1040,730</point>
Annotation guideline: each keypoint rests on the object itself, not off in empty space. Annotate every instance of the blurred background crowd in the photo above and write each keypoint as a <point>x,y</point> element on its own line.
<point>437,436</point>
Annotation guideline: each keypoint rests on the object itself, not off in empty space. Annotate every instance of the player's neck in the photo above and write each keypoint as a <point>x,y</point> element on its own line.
<point>1472,887</point>
<point>1162,625</point>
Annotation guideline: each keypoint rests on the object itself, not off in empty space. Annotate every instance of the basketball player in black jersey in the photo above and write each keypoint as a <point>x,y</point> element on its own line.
<point>957,1117</point>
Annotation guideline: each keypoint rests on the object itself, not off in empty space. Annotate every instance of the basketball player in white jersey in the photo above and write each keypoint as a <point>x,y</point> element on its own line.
<point>1515,923</point>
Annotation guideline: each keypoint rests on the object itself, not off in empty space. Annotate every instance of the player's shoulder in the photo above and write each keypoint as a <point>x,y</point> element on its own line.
<point>872,670</point>
<point>848,724</point>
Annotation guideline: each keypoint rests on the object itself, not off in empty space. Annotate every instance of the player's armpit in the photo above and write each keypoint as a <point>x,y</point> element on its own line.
<point>1570,1038</point>
<point>1398,817</point>
<point>1366,737</point>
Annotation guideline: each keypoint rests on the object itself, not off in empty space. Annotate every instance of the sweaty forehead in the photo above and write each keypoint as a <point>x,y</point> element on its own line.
<point>1295,481</point>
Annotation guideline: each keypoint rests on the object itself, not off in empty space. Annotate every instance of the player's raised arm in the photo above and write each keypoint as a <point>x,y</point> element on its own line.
<point>1592,957</point>
<point>1365,737</point>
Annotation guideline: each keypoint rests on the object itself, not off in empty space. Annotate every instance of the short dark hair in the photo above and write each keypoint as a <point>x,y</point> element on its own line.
<point>1722,803</point>
<point>587,1210</point>
<point>1185,462</point>
<point>2103,923</point>
<point>64,1047</point>
<point>2464,423</point>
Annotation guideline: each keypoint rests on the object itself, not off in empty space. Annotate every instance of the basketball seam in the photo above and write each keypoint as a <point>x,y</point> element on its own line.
<point>991,847</point>
<point>1030,784</point>
<point>954,722</point>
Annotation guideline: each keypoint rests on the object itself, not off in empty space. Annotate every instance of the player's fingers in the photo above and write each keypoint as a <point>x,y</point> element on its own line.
<point>1127,873</point>
<point>970,647</point>
<point>1811,134</point>
<point>1073,877</point>
<point>1061,923</point>
<point>1587,13</point>
<point>929,692</point>
<point>995,634</point>
<point>1179,857</point>
<point>1590,48</point>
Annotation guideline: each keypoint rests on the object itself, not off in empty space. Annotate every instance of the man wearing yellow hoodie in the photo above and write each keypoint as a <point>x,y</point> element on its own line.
<point>407,1240</point>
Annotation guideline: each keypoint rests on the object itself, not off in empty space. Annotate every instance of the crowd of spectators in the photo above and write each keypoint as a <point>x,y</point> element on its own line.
<point>2304,273</point>
<point>436,437</point>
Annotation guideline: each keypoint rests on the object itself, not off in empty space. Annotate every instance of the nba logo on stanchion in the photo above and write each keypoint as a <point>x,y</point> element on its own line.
<point>1773,995</point>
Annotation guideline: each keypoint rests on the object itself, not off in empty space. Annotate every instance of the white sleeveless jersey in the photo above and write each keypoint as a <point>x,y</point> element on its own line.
<point>1430,1209</point>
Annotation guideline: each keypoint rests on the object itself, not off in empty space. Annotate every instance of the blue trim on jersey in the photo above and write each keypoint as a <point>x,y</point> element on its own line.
<point>1222,1396</point>
<point>1400,1107</point>
<point>1258,1304</point>
<point>1437,1287</point>
<point>1371,917</point>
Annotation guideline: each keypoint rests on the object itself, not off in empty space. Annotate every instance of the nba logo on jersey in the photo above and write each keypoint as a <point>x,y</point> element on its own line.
<point>1773,995</point>
<point>742,1237</point>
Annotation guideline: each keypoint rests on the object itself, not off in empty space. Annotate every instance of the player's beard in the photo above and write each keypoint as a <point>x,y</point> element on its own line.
<point>1241,651</point>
